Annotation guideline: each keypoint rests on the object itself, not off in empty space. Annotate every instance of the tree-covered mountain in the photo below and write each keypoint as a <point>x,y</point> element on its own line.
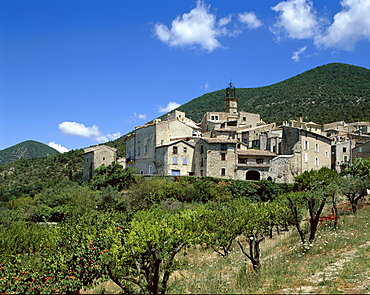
<point>324,94</point>
<point>28,177</point>
<point>26,150</point>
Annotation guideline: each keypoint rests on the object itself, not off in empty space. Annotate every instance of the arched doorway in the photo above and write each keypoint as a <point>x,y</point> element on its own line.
<point>252,175</point>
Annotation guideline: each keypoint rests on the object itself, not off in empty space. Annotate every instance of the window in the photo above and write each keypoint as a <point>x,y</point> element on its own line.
<point>212,117</point>
<point>141,172</point>
<point>242,161</point>
<point>175,160</point>
<point>223,157</point>
<point>326,154</point>
<point>175,172</point>
<point>223,147</point>
<point>201,149</point>
<point>316,161</point>
<point>259,161</point>
<point>316,148</point>
<point>201,173</point>
<point>344,150</point>
<point>185,149</point>
<point>244,118</point>
<point>103,159</point>
<point>216,117</point>
<point>306,145</point>
<point>345,159</point>
<point>138,150</point>
<point>223,171</point>
<point>201,162</point>
<point>184,161</point>
<point>150,169</point>
<point>306,158</point>
<point>145,149</point>
<point>174,150</point>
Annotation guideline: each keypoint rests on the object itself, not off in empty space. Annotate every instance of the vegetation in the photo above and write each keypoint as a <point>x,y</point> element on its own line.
<point>136,232</point>
<point>26,150</point>
<point>162,235</point>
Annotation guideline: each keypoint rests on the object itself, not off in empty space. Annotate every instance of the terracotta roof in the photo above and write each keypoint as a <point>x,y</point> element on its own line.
<point>253,152</point>
<point>218,140</point>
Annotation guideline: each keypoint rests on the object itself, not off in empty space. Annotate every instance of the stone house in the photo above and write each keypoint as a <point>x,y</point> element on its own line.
<point>239,145</point>
<point>215,157</point>
<point>362,151</point>
<point>95,157</point>
<point>151,148</point>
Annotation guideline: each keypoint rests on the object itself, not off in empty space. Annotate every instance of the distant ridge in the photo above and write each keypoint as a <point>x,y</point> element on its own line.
<point>328,93</point>
<point>26,150</point>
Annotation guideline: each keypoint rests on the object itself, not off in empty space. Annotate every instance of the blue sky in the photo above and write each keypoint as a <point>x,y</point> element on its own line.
<point>78,73</point>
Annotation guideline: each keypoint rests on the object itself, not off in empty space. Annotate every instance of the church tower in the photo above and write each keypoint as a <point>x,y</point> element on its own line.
<point>231,102</point>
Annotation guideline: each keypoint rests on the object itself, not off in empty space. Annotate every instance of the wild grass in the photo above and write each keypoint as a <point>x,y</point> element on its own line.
<point>337,262</point>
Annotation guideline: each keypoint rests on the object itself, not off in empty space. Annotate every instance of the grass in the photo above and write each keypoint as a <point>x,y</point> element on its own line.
<point>337,262</point>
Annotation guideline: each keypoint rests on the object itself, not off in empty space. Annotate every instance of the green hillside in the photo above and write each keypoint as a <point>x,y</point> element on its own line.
<point>31,176</point>
<point>26,150</point>
<point>324,94</point>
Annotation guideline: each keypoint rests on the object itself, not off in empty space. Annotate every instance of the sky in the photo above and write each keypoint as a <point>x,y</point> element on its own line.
<point>78,73</point>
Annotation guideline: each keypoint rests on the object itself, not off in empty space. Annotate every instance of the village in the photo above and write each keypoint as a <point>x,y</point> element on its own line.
<point>235,145</point>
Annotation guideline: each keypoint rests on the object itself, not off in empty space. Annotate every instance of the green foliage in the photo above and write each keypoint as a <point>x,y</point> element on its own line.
<point>26,150</point>
<point>314,179</point>
<point>74,256</point>
<point>354,188</point>
<point>114,175</point>
<point>29,177</point>
<point>246,189</point>
<point>66,199</point>
<point>146,256</point>
<point>360,167</point>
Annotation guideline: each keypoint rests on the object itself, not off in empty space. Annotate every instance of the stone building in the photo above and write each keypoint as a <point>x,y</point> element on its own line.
<point>239,145</point>
<point>95,157</point>
<point>152,148</point>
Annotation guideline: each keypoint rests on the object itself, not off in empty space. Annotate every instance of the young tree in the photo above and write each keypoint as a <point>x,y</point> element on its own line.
<point>354,188</point>
<point>145,258</point>
<point>255,221</point>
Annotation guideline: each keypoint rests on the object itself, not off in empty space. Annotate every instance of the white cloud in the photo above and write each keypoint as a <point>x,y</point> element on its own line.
<point>199,28</point>
<point>80,130</point>
<point>350,26</point>
<point>250,19</point>
<point>170,106</point>
<point>297,19</point>
<point>140,116</point>
<point>297,54</point>
<point>58,147</point>
<point>206,86</point>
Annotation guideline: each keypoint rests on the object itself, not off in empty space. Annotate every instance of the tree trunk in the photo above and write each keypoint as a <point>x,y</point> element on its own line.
<point>314,218</point>
<point>335,211</point>
<point>296,220</point>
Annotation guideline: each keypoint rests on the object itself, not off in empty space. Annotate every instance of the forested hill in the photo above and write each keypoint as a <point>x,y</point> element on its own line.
<point>324,94</point>
<point>26,150</point>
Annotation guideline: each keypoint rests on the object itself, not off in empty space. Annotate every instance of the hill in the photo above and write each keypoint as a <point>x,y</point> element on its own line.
<point>26,150</point>
<point>324,94</point>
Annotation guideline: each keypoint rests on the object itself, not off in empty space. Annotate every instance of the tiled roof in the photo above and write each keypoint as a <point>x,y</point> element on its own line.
<point>253,152</point>
<point>219,140</point>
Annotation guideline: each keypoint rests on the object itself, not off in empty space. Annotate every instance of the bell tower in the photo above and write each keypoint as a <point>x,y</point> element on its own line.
<point>231,102</point>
